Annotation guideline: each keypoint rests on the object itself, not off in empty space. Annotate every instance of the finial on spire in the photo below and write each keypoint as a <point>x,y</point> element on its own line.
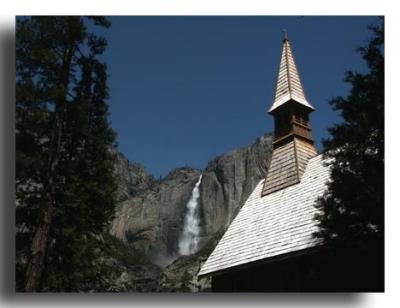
<point>285,36</point>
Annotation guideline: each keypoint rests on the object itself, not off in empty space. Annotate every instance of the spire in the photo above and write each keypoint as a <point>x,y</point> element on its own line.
<point>289,86</point>
<point>293,143</point>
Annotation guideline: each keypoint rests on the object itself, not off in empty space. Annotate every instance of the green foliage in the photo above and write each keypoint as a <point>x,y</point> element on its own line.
<point>84,187</point>
<point>353,207</point>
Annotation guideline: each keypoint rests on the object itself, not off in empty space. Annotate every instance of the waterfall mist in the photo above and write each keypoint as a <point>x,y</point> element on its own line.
<point>189,240</point>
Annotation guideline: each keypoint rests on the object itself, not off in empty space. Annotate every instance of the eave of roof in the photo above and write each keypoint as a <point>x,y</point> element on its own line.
<point>278,258</point>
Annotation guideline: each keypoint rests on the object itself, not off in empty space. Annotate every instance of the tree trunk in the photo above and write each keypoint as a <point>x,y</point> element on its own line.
<point>40,239</point>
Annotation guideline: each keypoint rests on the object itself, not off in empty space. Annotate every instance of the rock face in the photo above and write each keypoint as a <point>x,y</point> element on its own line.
<point>131,177</point>
<point>150,216</point>
<point>151,221</point>
<point>228,181</point>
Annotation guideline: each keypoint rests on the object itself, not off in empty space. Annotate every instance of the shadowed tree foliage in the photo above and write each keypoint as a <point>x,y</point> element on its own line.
<point>353,206</point>
<point>64,162</point>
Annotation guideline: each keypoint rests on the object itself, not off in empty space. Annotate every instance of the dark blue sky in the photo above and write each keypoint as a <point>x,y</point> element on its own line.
<point>186,89</point>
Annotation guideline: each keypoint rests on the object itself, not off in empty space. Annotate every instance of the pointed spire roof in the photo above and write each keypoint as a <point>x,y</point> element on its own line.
<point>289,86</point>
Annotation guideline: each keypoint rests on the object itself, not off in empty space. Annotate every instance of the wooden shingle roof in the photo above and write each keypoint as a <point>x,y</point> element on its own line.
<point>288,86</point>
<point>277,224</point>
<point>287,165</point>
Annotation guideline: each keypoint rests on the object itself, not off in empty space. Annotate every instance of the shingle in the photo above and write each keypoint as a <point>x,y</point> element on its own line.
<point>278,223</point>
<point>287,165</point>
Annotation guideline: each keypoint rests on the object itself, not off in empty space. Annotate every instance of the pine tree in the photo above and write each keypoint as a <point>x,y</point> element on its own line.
<point>352,219</point>
<point>65,187</point>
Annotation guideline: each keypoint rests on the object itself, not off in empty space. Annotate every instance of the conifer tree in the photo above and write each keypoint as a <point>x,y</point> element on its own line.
<point>65,187</point>
<point>352,219</point>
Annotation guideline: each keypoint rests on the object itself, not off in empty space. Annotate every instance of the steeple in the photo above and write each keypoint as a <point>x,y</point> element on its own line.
<point>293,143</point>
<point>288,86</point>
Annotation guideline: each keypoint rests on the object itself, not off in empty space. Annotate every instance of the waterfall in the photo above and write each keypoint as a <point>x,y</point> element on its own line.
<point>189,239</point>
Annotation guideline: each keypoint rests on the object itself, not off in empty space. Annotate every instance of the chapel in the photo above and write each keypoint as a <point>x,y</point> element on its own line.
<point>270,246</point>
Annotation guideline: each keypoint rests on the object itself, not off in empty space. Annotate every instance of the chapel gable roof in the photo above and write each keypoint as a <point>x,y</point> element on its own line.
<point>277,224</point>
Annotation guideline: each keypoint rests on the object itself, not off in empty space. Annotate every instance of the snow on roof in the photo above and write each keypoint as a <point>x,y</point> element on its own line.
<point>279,223</point>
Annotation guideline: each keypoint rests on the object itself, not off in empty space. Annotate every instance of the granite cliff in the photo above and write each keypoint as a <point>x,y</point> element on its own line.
<point>150,214</point>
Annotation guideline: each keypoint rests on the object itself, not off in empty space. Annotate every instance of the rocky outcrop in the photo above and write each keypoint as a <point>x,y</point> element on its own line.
<point>131,177</point>
<point>181,275</point>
